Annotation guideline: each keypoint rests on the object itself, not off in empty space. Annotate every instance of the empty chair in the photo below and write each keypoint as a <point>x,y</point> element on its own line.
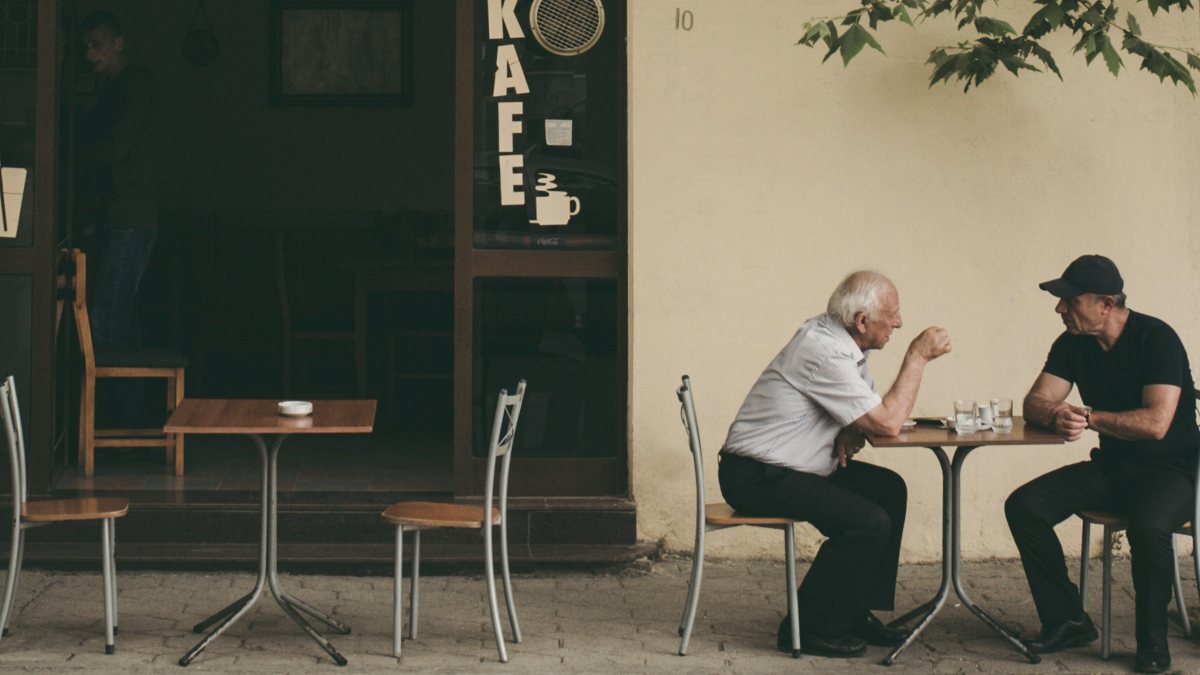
<point>1113,522</point>
<point>27,514</point>
<point>119,362</point>
<point>306,327</point>
<point>417,516</point>
<point>720,516</point>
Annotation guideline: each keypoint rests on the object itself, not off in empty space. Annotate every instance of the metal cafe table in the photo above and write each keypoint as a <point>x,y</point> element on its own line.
<point>258,419</point>
<point>936,439</point>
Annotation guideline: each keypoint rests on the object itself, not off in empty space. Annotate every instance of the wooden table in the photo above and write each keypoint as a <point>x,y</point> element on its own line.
<point>396,275</point>
<point>936,439</point>
<point>256,419</point>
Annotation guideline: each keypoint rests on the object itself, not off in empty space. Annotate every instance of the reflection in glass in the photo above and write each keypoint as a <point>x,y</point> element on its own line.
<point>560,335</point>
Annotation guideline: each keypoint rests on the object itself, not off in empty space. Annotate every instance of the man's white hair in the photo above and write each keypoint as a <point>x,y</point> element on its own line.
<point>860,291</point>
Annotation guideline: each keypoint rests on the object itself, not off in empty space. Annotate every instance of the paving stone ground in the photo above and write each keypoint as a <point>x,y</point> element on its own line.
<point>611,620</point>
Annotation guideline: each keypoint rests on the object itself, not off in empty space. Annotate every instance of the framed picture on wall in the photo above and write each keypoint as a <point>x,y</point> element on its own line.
<point>341,52</point>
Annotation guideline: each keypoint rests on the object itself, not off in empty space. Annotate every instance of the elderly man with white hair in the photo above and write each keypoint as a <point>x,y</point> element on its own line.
<point>790,450</point>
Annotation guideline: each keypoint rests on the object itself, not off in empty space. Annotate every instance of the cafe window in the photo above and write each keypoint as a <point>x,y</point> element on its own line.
<point>542,292</point>
<point>561,336</point>
<point>546,160</point>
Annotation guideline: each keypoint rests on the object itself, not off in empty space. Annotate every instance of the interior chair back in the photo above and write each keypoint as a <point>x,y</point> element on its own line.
<point>117,363</point>
<point>74,279</point>
<point>10,414</point>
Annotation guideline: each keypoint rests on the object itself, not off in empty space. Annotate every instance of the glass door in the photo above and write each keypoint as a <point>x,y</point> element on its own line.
<point>29,63</point>
<point>540,243</point>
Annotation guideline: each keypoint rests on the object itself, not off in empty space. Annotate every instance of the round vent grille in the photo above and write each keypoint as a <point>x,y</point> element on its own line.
<point>567,27</point>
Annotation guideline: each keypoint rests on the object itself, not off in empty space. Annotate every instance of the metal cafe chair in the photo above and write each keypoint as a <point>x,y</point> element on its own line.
<point>1115,522</point>
<point>118,362</point>
<point>27,514</point>
<point>721,516</point>
<point>417,516</point>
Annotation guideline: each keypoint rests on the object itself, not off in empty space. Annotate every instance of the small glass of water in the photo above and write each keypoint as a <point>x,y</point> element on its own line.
<point>965,414</point>
<point>1002,415</point>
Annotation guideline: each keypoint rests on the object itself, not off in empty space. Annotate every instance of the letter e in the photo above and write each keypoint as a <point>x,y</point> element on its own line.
<point>512,192</point>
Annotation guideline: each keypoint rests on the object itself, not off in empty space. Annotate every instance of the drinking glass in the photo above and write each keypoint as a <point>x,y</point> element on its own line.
<point>1002,415</point>
<point>965,413</point>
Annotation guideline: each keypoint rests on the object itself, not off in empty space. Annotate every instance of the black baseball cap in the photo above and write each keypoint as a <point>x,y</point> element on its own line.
<point>1086,274</point>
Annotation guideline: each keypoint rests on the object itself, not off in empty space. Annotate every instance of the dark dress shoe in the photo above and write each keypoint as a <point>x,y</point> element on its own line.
<point>819,644</point>
<point>1152,662</point>
<point>1061,635</point>
<point>877,633</point>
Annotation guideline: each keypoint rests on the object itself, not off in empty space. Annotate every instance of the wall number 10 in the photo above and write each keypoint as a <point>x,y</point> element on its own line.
<point>684,19</point>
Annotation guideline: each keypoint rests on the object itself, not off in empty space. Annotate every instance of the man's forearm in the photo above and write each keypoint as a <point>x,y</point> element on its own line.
<point>902,396</point>
<point>1140,424</point>
<point>1041,411</point>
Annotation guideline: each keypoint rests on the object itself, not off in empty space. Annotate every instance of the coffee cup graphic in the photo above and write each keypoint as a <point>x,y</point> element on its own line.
<point>554,207</point>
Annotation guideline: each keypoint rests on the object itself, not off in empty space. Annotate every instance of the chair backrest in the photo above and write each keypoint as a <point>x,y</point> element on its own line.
<point>73,279</point>
<point>504,432</point>
<point>1196,506</point>
<point>687,412</point>
<point>281,280</point>
<point>10,417</point>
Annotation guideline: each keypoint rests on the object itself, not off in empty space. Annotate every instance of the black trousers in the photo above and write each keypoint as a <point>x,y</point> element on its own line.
<point>860,508</point>
<point>1158,502</point>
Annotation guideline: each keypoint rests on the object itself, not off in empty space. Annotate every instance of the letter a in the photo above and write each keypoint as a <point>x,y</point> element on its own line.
<point>509,73</point>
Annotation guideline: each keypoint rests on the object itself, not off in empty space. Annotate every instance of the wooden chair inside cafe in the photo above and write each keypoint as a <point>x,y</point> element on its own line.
<point>117,362</point>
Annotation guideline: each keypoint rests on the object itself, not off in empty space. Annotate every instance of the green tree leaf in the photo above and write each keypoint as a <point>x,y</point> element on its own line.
<point>853,40</point>
<point>1111,57</point>
<point>1133,24</point>
<point>989,26</point>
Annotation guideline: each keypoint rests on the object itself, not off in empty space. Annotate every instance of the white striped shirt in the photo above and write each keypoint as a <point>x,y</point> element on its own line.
<point>816,385</point>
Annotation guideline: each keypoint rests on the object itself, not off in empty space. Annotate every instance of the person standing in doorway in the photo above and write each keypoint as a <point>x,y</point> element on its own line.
<point>119,142</point>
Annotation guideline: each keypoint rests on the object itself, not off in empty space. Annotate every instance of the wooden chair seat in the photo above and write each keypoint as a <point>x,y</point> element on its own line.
<point>1120,521</point>
<point>723,514</point>
<point>1113,519</point>
<point>438,514</point>
<point>87,508</point>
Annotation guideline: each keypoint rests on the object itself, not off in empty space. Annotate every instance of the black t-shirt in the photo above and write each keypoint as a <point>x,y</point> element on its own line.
<point>1147,352</point>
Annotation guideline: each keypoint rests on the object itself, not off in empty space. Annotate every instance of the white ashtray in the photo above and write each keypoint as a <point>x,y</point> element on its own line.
<point>295,408</point>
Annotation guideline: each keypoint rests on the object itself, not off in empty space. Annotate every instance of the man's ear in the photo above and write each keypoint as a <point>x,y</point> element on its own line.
<point>860,322</point>
<point>119,43</point>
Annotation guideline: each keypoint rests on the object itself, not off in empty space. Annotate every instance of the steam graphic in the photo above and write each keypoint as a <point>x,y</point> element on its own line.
<point>554,206</point>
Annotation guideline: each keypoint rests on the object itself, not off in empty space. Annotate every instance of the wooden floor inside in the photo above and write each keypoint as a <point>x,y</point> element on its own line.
<point>395,462</point>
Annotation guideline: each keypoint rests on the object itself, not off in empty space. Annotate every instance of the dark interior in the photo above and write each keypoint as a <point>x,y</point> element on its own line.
<point>267,200</point>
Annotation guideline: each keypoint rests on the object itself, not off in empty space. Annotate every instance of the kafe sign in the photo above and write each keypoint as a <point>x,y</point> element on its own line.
<point>509,86</point>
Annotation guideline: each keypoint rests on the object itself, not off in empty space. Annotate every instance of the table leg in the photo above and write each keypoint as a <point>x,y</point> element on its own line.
<point>960,457</point>
<point>227,616</point>
<point>283,599</point>
<point>949,537</point>
<point>360,333</point>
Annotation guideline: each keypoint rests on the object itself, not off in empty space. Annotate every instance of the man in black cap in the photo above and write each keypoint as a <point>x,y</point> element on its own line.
<point>1136,385</point>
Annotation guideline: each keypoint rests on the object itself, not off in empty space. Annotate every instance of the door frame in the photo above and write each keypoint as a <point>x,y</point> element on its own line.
<point>607,476</point>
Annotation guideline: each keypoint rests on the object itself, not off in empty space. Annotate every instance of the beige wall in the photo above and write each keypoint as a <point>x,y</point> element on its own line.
<point>759,177</point>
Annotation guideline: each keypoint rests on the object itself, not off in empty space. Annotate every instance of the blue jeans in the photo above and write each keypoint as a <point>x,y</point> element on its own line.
<point>124,255</point>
